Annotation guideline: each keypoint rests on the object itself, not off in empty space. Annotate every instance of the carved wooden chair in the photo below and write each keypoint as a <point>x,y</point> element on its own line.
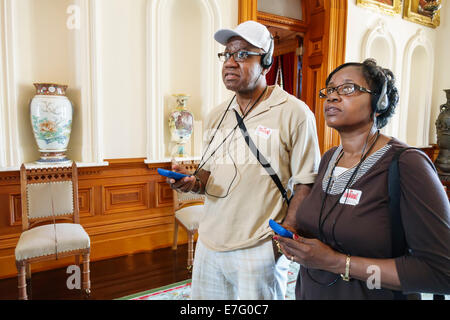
<point>188,209</point>
<point>47,195</point>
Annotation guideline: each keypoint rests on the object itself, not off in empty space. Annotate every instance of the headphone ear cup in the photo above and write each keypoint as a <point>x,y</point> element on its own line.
<point>267,59</point>
<point>382,99</point>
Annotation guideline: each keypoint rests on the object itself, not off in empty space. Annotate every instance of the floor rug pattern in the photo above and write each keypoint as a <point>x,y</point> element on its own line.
<point>181,290</point>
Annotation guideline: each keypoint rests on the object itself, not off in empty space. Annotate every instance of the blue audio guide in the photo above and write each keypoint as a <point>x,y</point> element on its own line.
<point>280,230</point>
<point>171,174</point>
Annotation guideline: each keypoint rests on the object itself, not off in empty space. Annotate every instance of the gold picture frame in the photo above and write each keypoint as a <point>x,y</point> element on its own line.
<point>390,7</point>
<point>411,13</point>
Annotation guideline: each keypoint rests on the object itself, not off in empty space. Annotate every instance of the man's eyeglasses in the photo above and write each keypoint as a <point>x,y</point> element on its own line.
<point>342,90</point>
<point>238,56</point>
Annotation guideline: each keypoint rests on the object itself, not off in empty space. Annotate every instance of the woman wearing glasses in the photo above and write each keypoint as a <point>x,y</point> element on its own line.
<point>343,241</point>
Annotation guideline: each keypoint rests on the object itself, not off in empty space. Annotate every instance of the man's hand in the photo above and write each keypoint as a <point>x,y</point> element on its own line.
<point>189,184</point>
<point>301,191</point>
<point>185,184</point>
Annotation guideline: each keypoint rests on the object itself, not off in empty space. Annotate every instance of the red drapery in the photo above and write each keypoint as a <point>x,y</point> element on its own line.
<point>287,67</point>
<point>272,74</point>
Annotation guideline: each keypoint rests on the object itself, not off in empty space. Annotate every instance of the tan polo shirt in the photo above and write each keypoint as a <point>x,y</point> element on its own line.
<point>240,196</point>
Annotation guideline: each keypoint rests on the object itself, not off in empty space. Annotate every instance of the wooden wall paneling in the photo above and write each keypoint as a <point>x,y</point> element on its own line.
<point>126,207</point>
<point>336,24</point>
<point>285,47</point>
<point>324,48</point>
<point>125,197</point>
<point>247,10</point>
<point>273,20</point>
<point>164,194</point>
<point>86,201</point>
<point>313,59</point>
<point>15,210</point>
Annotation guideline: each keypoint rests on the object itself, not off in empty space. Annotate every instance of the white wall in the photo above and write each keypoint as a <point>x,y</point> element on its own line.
<point>123,77</point>
<point>415,54</point>
<point>149,51</point>
<point>122,65</point>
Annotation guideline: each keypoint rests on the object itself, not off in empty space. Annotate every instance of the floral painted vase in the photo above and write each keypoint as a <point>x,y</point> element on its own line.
<point>51,119</point>
<point>181,123</point>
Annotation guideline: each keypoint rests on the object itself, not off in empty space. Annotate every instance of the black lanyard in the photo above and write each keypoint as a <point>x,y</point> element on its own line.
<point>223,141</point>
<point>352,177</point>
<point>217,129</point>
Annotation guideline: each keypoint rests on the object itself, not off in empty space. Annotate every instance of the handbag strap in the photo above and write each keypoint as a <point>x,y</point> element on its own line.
<point>397,232</point>
<point>399,246</point>
<point>260,157</point>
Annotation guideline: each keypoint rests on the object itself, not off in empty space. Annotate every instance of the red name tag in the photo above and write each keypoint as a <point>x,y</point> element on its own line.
<point>263,131</point>
<point>351,197</point>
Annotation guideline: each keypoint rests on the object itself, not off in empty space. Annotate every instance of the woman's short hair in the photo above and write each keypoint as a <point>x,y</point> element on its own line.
<point>376,76</point>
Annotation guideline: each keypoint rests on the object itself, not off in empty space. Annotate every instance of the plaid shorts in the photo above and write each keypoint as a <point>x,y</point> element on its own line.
<point>247,274</point>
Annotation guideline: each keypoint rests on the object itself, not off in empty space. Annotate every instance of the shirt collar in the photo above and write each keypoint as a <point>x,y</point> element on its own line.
<point>276,98</point>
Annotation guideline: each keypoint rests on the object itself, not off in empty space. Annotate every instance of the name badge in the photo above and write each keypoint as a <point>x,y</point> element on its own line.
<point>351,197</point>
<point>263,132</point>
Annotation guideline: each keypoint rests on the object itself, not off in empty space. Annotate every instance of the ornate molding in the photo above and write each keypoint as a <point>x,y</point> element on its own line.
<point>418,40</point>
<point>157,65</point>
<point>10,151</point>
<point>379,6</point>
<point>277,21</point>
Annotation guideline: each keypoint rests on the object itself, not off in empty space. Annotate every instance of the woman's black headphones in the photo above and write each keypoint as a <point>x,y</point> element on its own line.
<point>267,58</point>
<point>381,101</point>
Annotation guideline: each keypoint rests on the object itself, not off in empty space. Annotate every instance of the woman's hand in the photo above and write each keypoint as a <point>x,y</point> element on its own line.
<point>312,253</point>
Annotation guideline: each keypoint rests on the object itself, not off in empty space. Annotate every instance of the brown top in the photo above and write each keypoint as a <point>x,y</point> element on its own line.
<point>363,229</point>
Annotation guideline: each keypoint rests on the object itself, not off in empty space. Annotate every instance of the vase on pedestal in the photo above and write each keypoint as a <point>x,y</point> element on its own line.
<point>442,162</point>
<point>181,123</point>
<point>443,136</point>
<point>51,119</point>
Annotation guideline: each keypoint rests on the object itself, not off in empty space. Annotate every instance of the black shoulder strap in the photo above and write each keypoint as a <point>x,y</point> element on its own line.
<point>399,246</point>
<point>260,157</point>
<point>397,232</point>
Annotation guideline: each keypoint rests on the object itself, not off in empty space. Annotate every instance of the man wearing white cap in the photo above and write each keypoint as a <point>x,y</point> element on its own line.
<point>235,256</point>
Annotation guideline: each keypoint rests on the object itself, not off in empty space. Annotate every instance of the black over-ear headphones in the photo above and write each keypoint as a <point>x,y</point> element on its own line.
<point>382,101</point>
<point>267,58</point>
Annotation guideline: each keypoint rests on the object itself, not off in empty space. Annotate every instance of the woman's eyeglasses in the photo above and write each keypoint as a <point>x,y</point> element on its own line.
<point>342,90</point>
<point>238,56</point>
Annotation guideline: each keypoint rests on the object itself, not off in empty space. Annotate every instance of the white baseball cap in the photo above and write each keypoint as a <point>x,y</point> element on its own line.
<point>251,31</point>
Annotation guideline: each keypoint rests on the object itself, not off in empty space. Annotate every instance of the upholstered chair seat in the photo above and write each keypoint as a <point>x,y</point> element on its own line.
<point>40,241</point>
<point>190,216</point>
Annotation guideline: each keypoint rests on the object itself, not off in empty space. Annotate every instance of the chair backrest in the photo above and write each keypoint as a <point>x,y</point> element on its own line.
<point>182,199</point>
<point>48,194</point>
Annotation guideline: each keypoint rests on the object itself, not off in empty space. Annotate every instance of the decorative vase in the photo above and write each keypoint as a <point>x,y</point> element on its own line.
<point>181,123</point>
<point>51,119</point>
<point>443,136</point>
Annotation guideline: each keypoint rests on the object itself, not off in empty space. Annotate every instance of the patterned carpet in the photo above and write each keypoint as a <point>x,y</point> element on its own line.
<point>181,290</point>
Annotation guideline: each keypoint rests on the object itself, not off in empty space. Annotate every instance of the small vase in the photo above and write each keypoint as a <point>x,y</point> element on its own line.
<point>181,123</point>
<point>51,119</point>
<point>443,136</point>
